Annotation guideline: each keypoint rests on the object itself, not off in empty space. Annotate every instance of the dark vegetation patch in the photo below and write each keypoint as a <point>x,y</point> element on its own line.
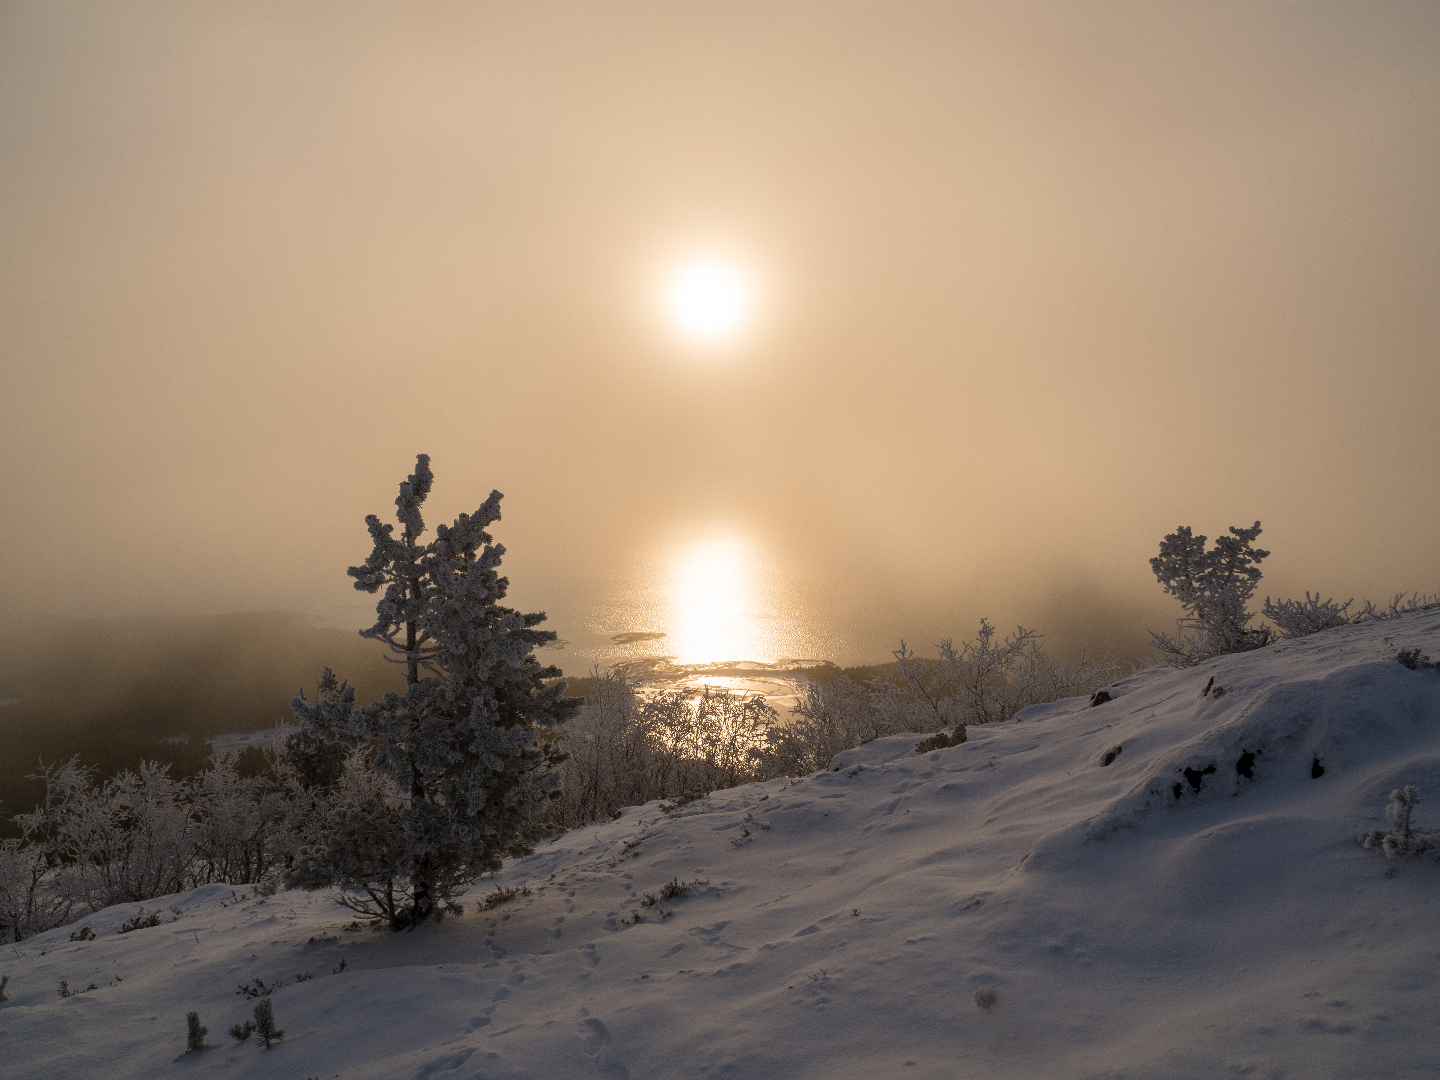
<point>1316,769</point>
<point>829,673</point>
<point>1100,697</point>
<point>503,895</point>
<point>1245,766</point>
<point>940,741</point>
<point>1110,756</point>
<point>1193,777</point>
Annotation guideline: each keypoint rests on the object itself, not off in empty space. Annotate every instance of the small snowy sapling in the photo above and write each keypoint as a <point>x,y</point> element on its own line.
<point>265,1023</point>
<point>1415,660</point>
<point>4,982</point>
<point>1403,840</point>
<point>141,921</point>
<point>195,1033</point>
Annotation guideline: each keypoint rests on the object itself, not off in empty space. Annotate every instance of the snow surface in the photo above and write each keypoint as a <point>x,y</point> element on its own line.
<point>1235,930</point>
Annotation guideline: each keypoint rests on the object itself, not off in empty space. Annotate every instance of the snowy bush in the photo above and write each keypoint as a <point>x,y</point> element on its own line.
<point>1400,604</point>
<point>610,755</point>
<point>440,784</point>
<point>1296,618</point>
<point>1215,588</point>
<point>30,901</point>
<point>981,682</point>
<point>139,835</point>
<point>708,740</point>
<point>1402,840</point>
<point>624,751</point>
<point>127,839</point>
<point>242,829</point>
<point>830,718</point>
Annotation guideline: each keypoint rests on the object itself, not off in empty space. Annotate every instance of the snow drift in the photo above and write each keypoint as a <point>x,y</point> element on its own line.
<point>1166,884</point>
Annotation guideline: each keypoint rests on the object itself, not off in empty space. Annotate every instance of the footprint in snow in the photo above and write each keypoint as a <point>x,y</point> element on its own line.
<point>448,1063</point>
<point>595,1043</point>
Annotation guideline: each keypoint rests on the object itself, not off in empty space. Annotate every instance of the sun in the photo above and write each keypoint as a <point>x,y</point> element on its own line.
<point>709,300</point>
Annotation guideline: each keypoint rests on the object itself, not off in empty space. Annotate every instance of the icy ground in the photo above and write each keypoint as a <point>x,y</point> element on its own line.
<point>842,923</point>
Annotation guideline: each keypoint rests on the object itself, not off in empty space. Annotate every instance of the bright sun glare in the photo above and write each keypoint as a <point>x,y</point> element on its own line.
<point>709,300</point>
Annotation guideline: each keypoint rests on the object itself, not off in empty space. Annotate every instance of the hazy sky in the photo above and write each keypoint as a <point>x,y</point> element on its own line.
<point>1034,284</point>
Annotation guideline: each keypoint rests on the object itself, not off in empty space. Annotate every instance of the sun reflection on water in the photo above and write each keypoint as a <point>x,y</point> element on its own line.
<point>708,611</point>
<point>715,606</point>
<point>706,599</point>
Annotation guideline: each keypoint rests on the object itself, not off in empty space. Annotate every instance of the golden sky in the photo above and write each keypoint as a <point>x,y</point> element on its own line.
<point>1032,285</point>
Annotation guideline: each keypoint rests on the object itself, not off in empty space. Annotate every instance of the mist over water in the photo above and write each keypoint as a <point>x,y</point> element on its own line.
<point>1026,287</point>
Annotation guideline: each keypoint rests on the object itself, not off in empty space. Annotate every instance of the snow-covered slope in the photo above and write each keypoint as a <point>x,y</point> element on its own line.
<point>1133,924</point>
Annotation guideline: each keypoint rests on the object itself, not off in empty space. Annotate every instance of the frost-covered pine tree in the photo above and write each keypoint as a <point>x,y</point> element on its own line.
<point>1215,588</point>
<point>422,792</point>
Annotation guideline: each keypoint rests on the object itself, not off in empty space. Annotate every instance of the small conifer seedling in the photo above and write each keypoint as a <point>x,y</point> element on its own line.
<point>1404,839</point>
<point>265,1023</point>
<point>195,1034</point>
<point>4,982</point>
<point>241,1032</point>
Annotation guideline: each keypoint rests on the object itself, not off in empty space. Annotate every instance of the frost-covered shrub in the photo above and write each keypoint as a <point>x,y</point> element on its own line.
<point>1214,587</point>
<point>709,740</point>
<point>1297,618</point>
<point>611,758</point>
<point>984,681</point>
<point>1403,839</point>
<point>127,839</point>
<point>139,835</point>
<point>354,835</point>
<point>623,751</point>
<point>242,827</point>
<point>32,895</point>
<point>1400,604</point>
<point>829,719</point>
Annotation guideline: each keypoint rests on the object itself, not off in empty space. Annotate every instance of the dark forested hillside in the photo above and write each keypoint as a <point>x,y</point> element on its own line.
<point>115,690</point>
